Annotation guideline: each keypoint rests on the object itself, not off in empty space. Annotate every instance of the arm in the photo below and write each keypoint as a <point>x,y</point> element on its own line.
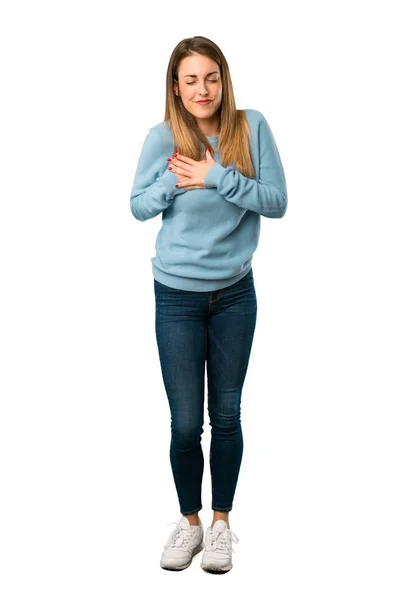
<point>268,195</point>
<point>153,187</point>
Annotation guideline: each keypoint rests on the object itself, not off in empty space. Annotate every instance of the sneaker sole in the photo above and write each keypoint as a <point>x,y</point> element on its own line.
<point>198,549</point>
<point>216,570</point>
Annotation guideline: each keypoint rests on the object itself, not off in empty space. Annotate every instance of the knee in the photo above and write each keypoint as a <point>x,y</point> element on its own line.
<point>228,423</point>
<point>185,437</point>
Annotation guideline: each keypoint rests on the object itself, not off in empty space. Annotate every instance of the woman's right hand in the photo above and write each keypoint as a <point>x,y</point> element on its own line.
<point>189,187</point>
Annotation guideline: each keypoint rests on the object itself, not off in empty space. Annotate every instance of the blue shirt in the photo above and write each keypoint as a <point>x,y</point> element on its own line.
<point>208,236</point>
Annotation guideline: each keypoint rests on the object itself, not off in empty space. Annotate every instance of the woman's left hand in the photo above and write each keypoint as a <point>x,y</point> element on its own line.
<point>194,171</point>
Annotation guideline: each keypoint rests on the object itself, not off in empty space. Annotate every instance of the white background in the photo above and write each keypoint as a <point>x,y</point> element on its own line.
<point>86,484</point>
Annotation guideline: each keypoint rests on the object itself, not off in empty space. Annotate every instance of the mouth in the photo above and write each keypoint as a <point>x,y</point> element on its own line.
<point>204,102</point>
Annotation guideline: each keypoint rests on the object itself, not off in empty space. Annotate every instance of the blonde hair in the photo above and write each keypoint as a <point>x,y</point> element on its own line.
<point>234,136</point>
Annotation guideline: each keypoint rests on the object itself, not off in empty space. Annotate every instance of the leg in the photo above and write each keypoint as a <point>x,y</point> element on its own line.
<point>230,332</point>
<point>193,519</point>
<point>220,516</point>
<point>180,332</point>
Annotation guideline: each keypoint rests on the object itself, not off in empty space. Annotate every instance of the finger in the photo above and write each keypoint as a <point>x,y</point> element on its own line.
<point>185,159</point>
<point>182,164</point>
<point>190,182</point>
<point>180,171</point>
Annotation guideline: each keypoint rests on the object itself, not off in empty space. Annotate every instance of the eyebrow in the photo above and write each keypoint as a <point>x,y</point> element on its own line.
<point>212,73</point>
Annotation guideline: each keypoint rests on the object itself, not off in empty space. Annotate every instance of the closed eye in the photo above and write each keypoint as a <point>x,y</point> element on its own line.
<point>210,80</point>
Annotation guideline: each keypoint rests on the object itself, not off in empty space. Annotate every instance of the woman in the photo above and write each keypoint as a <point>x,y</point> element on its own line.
<point>212,171</point>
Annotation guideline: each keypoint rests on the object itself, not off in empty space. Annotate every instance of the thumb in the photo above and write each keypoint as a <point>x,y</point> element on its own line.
<point>209,158</point>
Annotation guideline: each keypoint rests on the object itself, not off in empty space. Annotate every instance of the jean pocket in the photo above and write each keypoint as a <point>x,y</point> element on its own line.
<point>248,278</point>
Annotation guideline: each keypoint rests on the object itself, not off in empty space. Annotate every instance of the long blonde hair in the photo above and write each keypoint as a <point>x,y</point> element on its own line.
<point>234,136</point>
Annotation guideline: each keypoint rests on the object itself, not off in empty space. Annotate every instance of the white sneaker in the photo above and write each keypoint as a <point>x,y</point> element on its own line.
<point>217,556</point>
<point>183,543</point>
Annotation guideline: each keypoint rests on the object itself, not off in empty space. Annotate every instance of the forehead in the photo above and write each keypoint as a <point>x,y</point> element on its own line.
<point>197,64</point>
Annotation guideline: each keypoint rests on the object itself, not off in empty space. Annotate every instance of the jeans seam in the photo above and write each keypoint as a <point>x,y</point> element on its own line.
<point>211,301</point>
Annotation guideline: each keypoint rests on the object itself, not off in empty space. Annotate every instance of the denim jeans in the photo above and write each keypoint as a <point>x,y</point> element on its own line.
<point>195,329</point>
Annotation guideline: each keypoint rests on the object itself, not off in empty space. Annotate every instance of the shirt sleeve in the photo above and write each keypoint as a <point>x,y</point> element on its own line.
<point>153,187</point>
<point>268,195</point>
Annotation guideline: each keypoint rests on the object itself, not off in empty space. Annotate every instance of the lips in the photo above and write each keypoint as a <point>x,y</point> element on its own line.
<point>204,102</point>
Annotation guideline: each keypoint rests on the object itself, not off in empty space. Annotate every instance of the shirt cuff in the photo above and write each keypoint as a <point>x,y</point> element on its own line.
<point>214,174</point>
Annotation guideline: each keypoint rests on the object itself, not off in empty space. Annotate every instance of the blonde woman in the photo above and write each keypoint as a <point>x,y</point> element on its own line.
<point>211,171</point>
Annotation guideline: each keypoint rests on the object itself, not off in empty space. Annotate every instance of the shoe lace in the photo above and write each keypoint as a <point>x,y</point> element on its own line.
<point>179,537</point>
<point>218,540</point>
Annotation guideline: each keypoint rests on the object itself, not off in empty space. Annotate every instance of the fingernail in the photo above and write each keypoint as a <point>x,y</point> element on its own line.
<point>177,185</point>
<point>169,168</point>
<point>168,159</point>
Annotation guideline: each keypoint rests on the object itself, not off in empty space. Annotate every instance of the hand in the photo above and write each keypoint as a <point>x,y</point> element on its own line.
<point>188,186</point>
<point>191,173</point>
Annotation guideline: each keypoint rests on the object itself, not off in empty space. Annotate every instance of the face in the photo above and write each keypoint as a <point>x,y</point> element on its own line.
<point>199,78</point>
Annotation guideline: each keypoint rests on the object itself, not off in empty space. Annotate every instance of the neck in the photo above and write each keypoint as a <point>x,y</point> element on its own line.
<point>209,127</point>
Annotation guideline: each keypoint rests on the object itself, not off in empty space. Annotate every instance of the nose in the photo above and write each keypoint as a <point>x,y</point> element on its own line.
<point>203,90</point>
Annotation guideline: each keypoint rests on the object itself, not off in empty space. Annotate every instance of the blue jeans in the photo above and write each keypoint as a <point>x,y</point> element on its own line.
<point>192,329</point>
